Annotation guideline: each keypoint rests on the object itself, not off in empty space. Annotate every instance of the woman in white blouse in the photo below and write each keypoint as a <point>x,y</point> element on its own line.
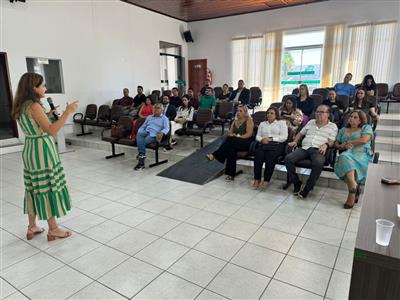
<point>271,134</point>
<point>184,114</point>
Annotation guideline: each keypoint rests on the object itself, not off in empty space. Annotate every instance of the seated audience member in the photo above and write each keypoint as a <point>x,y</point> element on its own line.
<point>305,103</point>
<point>345,88</point>
<point>352,165</point>
<point>146,109</point>
<point>152,130</point>
<point>137,102</point>
<point>287,109</point>
<point>319,135</point>
<point>125,101</point>
<point>184,114</point>
<point>175,100</point>
<point>369,85</point>
<point>336,107</point>
<point>225,93</point>
<point>207,84</point>
<point>241,95</point>
<point>363,102</point>
<point>271,134</point>
<point>194,102</point>
<point>238,139</point>
<point>208,101</point>
<point>168,110</point>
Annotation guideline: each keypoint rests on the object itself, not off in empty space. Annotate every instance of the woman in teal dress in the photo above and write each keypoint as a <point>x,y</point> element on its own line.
<point>352,165</point>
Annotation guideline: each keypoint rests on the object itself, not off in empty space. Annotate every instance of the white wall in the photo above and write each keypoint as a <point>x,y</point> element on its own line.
<point>104,45</point>
<point>212,38</point>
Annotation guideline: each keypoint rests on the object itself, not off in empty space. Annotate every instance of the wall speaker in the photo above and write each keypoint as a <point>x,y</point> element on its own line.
<point>188,36</point>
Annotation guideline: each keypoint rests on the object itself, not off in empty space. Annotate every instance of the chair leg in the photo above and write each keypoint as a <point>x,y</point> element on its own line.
<point>387,107</point>
<point>113,152</point>
<point>83,131</point>
<point>158,162</point>
<point>201,141</point>
<point>223,127</point>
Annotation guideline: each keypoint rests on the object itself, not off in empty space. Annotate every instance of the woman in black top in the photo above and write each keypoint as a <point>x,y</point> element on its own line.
<point>305,103</point>
<point>362,102</point>
<point>287,109</point>
<point>369,85</point>
<point>225,93</point>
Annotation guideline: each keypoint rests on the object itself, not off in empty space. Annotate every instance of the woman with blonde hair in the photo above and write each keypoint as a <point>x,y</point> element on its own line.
<point>46,192</point>
<point>238,139</point>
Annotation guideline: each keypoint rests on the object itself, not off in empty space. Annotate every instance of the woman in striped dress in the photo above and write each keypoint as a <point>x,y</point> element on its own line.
<point>46,193</point>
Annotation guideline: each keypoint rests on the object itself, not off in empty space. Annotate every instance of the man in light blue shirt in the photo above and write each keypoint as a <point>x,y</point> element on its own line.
<point>345,88</point>
<point>152,130</point>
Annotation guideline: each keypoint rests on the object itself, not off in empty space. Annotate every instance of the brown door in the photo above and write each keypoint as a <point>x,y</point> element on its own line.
<point>8,126</point>
<point>197,74</point>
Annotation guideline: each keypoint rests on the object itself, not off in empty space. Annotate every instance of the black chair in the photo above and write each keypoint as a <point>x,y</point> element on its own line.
<point>317,100</point>
<point>230,89</point>
<point>225,114</point>
<point>277,105</point>
<point>345,101</point>
<point>258,117</point>
<point>157,94</point>
<point>203,121</point>
<point>116,113</point>
<point>154,98</point>
<point>290,96</point>
<point>115,102</point>
<point>104,116</point>
<point>382,92</point>
<point>393,96</point>
<point>255,97</point>
<point>321,91</point>
<point>121,129</point>
<point>167,93</point>
<point>90,115</point>
<point>218,92</point>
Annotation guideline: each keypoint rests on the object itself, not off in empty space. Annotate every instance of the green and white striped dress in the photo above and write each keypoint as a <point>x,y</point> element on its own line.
<point>46,193</point>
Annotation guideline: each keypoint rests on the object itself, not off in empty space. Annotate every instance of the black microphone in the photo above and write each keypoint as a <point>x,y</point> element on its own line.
<point>50,101</point>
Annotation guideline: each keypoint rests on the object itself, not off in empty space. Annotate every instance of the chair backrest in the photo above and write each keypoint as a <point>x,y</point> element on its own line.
<point>125,124</point>
<point>91,112</point>
<point>204,116</point>
<point>255,95</point>
<point>230,89</point>
<point>167,93</point>
<point>277,105</point>
<point>156,92</point>
<point>344,99</point>
<point>396,90</point>
<point>116,112</point>
<point>382,89</point>
<point>296,91</point>
<point>259,117</point>
<point>218,91</point>
<point>104,113</point>
<point>226,110</point>
<point>115,102</point>
<point>317,100</point>
<point>290,96</point>
<point>154,98</point>
<point>321,91</point>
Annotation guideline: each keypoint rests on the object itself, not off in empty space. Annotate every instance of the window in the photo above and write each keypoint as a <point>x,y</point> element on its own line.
<point>170,65</point>
<point>247,60</point>
<point>371,50</point>
<point>301,60</point>
<point>51,70</point>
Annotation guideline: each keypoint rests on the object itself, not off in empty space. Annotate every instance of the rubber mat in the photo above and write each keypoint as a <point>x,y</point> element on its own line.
<point>196,168</point>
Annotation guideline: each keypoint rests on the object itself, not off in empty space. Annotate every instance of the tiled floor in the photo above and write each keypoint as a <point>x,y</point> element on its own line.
<point>140,236</point>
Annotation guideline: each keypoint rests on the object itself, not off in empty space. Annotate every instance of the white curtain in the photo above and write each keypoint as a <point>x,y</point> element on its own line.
<point>371,50</point>
<point>247,61</point>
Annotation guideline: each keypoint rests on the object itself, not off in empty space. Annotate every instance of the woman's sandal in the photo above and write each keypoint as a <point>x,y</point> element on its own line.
<point>256,184</point>
<point>30,234</point>
<point>351,191</point>
<point>264,186</point>
<point>52,237</point>
<point>229,178</point>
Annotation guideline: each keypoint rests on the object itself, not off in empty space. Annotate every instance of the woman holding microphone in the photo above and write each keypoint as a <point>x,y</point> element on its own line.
<point>46,193</point>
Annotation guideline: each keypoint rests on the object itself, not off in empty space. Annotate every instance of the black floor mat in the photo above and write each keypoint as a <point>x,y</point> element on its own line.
<point>196,168</point>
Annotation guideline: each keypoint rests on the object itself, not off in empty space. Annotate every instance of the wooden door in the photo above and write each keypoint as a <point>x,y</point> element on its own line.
<point>197,74</point>
<point>8,126</point>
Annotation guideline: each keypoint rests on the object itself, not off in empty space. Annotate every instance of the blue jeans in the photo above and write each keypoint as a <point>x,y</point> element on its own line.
<point>142,139</point>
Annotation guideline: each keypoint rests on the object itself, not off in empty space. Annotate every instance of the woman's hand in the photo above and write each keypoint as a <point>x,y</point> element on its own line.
<point>292,144</point>
<point>265,140</point>
<point>72,107</point>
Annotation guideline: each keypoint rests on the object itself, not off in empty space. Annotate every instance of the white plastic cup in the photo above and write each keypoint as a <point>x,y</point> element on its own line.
<point>384,230</point>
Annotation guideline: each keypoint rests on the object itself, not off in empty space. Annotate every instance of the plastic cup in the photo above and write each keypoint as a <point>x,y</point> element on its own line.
<point>383,231</point>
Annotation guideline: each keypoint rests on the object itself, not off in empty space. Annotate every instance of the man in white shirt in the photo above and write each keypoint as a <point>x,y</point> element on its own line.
<point>319,135</point>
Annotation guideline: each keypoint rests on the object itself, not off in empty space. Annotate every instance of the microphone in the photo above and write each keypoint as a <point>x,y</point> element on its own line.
<point>50,101</point>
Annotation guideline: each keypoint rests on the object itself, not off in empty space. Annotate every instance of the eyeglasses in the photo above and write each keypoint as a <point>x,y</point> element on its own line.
<point>320,112</point>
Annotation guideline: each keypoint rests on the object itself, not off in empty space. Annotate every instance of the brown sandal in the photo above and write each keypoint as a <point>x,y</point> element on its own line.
<point>52,237</point>
<point>31,234</point>
<point>351,192</point>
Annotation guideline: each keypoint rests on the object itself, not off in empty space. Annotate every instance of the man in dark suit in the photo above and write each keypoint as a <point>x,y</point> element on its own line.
<point>241,95</point>
<point>168,109</point>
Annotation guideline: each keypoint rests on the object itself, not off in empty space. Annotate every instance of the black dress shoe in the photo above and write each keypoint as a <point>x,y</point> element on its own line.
<point>285,186</point>
<point>303,194</point>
